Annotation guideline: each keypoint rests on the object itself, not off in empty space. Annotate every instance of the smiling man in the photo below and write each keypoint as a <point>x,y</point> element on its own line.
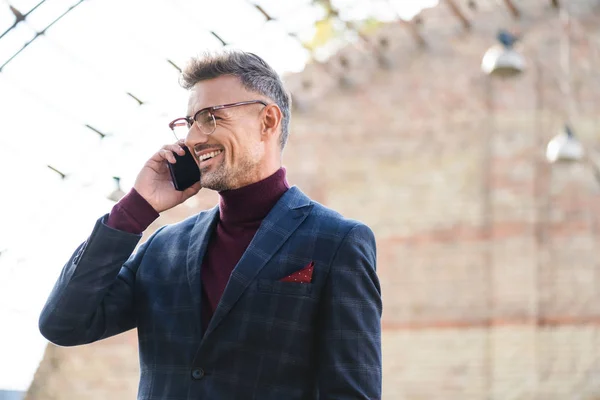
<point>269,295</point>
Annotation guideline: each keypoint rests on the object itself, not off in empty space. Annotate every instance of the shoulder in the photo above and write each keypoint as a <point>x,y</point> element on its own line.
<point>333,218</point>
<point>349,243</point>
<point>324,220</point>
<point>348,229</point>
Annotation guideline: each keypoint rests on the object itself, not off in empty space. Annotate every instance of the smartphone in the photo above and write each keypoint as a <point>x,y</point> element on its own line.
<point>185,172</point>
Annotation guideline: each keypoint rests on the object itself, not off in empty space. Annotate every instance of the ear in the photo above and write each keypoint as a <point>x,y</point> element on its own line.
<point>271,121</point>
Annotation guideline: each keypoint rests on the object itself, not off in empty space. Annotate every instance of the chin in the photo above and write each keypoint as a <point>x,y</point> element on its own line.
<point>214,181</point>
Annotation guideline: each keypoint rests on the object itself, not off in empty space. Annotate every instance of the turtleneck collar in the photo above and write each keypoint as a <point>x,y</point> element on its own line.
<point>253,202</point>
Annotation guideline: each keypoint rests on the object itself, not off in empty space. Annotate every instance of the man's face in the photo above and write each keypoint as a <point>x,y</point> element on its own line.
<point>231,156</point>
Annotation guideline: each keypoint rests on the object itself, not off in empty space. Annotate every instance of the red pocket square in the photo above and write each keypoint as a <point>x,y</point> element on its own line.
<point>302,276</point>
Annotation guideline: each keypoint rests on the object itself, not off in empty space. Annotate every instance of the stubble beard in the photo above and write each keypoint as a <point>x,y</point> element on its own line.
<point>220,178</point>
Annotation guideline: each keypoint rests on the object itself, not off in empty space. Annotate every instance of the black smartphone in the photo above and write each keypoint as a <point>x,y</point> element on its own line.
<point>185,172</point>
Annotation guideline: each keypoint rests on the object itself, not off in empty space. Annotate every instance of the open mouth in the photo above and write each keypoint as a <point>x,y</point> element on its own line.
<point>208,156</point>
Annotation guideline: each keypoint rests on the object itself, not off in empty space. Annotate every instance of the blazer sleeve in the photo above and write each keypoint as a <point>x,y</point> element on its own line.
<point>349,336</point>
<point>93,296</point>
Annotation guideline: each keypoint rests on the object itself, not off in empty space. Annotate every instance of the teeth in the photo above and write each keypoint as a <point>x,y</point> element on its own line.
<point>210,155</point>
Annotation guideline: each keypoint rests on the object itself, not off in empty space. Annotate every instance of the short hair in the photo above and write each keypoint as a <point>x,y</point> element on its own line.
<point>253,72</point>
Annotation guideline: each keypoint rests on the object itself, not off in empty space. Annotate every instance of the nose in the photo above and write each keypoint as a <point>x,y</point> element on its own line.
<point>195,137</point>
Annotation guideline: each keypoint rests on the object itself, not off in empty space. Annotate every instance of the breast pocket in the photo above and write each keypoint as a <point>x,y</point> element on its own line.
<point>288,305</point>
<point>285,288</point>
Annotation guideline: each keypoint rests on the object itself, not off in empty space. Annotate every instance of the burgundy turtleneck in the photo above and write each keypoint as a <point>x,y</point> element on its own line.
<point>241,212</point>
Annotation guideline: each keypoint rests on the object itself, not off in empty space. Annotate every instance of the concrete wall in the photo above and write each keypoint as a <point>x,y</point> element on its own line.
<point>488,256</point>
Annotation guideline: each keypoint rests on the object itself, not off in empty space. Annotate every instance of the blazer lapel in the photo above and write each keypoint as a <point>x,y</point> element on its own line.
<point>285,217</point>
<point>199,238</point>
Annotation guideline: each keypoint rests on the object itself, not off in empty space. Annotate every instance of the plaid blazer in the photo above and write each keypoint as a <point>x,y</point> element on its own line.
<point>268,339</point>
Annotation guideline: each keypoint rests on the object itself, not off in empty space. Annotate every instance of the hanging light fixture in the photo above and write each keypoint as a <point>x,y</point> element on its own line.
<point>564,147</point>
<point>502,59</point>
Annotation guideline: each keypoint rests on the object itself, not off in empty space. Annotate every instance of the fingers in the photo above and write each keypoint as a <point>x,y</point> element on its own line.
<point>192,190</point>
<point>167,152</point>
<point>195,188</point>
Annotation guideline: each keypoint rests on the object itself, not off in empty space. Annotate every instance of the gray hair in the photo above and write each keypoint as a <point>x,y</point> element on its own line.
<point>254,73</point>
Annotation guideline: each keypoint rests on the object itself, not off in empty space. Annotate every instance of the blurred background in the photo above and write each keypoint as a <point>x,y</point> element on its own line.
<point>465,133</point>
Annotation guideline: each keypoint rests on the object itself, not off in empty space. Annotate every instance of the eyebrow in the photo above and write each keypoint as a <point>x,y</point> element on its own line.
<point>204,109</point>
<point>196,112</point>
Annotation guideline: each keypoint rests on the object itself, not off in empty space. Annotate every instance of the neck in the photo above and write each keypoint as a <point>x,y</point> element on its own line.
<point>256,177</point>
<point>252,202</point>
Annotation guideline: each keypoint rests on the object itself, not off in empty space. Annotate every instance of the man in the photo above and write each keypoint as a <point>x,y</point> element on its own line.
<point>269,295</point>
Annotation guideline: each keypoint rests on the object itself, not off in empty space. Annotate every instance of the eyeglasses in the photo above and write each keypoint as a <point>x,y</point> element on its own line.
<point>205,119</point>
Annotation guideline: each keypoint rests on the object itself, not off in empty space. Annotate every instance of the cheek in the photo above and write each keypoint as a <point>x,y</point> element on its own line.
<point>247,142</point>
<point>236,149</point>
<point>259,149</point>
<point>243,143</point>
<point>254,147</point>
<point>230,142</point>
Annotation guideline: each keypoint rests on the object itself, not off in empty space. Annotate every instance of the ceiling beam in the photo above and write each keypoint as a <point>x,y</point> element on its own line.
<point>512,8</point>
<point>263,12</point>
<point>459,14</point>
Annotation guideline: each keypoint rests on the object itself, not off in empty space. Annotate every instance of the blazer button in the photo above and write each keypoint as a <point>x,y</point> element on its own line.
<point>197,374</point>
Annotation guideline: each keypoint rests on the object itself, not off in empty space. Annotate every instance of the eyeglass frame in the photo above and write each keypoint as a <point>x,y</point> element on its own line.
<point>191,120</point>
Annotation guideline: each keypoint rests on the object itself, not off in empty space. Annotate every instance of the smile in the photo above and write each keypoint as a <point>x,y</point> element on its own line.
<point>208,156</point>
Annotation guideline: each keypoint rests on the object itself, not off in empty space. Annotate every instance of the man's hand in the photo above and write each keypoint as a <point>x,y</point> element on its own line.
<point>154,183</point>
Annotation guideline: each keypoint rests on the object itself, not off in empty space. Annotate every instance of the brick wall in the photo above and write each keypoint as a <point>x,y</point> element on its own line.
<point>488,256</point>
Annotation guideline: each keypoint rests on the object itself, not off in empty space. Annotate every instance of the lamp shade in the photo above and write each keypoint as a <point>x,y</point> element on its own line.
<point>502,61</point>
<point>564,147</point>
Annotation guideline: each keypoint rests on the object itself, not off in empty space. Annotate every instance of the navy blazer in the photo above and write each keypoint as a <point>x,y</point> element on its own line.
<point>267,339</point>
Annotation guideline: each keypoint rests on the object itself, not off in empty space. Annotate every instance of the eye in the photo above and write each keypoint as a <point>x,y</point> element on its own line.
<point>204,117</point>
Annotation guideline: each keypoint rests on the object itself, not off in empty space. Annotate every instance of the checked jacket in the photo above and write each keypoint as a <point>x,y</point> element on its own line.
<point>268,339</point>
